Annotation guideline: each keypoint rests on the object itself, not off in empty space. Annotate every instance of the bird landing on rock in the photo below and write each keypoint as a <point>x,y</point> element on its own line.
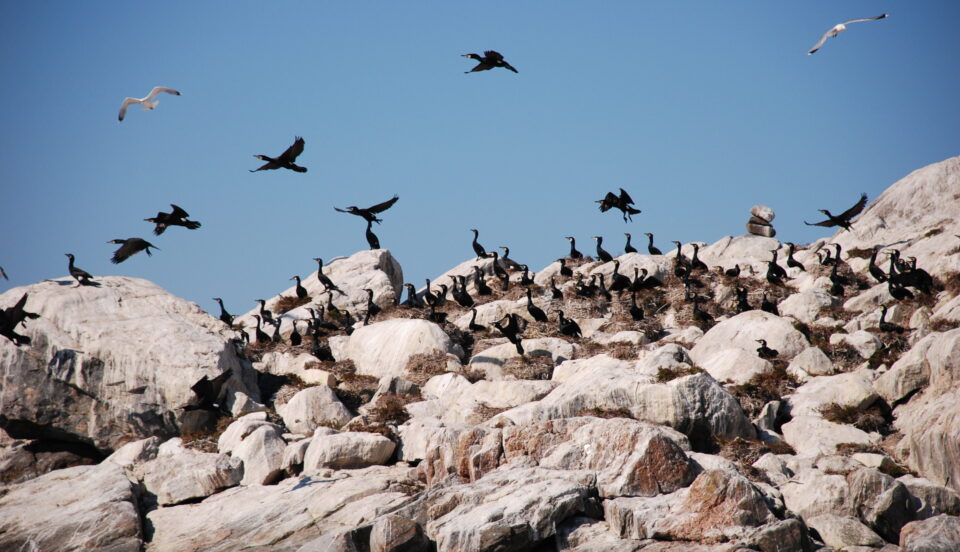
<point>622,202</point>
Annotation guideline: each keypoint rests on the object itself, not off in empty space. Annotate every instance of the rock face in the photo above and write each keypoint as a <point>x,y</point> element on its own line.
<point>347,450</point>
<point>81,508</point>
<point>179,474</point>
<point>384,348</point>
<point>743,330</point>
<point>110,364</point>
<point>937,534</point>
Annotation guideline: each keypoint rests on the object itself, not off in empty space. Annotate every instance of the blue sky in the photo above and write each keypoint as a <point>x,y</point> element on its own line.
<point>699,109</point>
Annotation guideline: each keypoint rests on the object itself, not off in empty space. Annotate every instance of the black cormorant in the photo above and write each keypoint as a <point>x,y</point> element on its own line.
<point>301,291</point>
<point>791,262</point>
<point>743,304</point>
<point>601,252</point>
<point>295,338</point>
<point>898,291</point>
<point>568,326</point>
<point>481,282</point>
<point>276,331</point>
<point>878,274</point>
<point>128,247</point>
<point>412,299</point>
<point>574,254</point>
<point>267,315</point>
<point>888,326</point>
<point>636,312</point>
<point>602,289</point>
<point>372,308</point>
<point>525,279</point>
<point>327,283</point>
<point>177,218</point>
<point>622,202</point>
<point>261,336</point>
<point>843,219</point>
<point>681,265</point>
<point>208,392</point>
<point>11,317</point>
<point>369,214</point>
<point>778,270</point>
<point>460,293</point>
<point>765,352</point>
<point>695,262</point>
<point>732,272</point>
<point>477,248</point>
<point>511,326</point>
<point>487,61</point>
<point>82,277</point>
<point>554,290</point>
<point>372,239</point>
<point>507,261</point>
<point>535,311</point>
<point>473,326</point>
<point>650,247</point>
<point>767,305</point>
<point>618,282</point>
<point>628,248</point>
<point>699,314</point>
<point>564,269</point>
<point>225,316</point>
<point>498,270</point>
<point>286,159</point>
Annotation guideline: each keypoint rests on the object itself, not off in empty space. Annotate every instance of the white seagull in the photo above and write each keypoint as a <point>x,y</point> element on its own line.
<point>839,29</point>
<point>145,102</point>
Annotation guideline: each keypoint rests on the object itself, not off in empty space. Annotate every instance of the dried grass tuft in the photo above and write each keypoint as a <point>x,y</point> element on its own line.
<point>529,367</point>
<point>286,303</point>
<point>763,388</point>
<point>423,366</point>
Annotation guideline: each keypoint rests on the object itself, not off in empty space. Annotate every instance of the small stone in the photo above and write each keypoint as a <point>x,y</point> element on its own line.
<point>759,230</point>
<point>763,212</point>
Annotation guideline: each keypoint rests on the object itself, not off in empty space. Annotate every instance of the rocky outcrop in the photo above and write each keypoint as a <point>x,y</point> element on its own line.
<point>937,534</point>
<point>742,332</point>
<point>349,450</point>
<point>179,474</point>
<point>384,348</point>
<point>110,364</point>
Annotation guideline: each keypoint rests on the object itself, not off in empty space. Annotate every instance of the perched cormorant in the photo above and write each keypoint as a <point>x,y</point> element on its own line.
<point>267,315</point>
<point>878,274</point>
<point>128,247</point>
<point>628,248</point>
<point>477,248</point>
<point>327,283</point>
<point>602,289</point>
<point>554,290</point>
<point>481,282</point>
<point>601,252</point>
<point>622,202</point>
<point>301,291</point>
<point>225,316</point>
<point>511,326</point>
<point>460,294</point>
<point>636,312</point>
<point>836,281</point>
<point>767,305</point>
<point>743,304</point>
<point>372,239</point>
<point>618,282</point>
<point>650,281</point>
<point>574,254</point>
<point>331,308</point>
<point>525,279</point>
<point>369,214</point>
<point>286,159</point>
<point>681,265</point>
<point>826,260</point>
<point>637,283</point>
<point>487,61</point>
<point>898,291</point>
<point>695,262</point>
<point>535,311</point>
<point>372,308</point>
<point>585,290</point>
<point>208,392</point>
<point>732,272</point>
<point>564,269</point>
<point>473,326</point>
<point>568,326</point>
<point>504,281</point>
<point>498,270</point>
<point>791,262</point>
<point>276,331</point>
<point>650,247</point>
<point>412,299</point>
<point>888,326</point>
<point>778,270</point>
<point>82,277</point>
<point>177,218</point>
<point>766,352</point>
<point>843,219</point>
<point>295,338</point>
<point>507,261</point>
<point>699,314</point>
<point>261,336</point>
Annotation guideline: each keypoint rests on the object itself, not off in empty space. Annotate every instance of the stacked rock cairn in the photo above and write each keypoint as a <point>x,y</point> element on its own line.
<point>760,223</point>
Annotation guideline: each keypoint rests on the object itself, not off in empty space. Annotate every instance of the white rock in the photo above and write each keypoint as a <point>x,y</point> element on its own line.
<point>444,385</point>
<point>937,534</point>
<point>293,455</point>
<point>744,329</point>
<point>304,366</point>
<point>805,306</point>
<point>262,455</point>
<point>812,435</point>
<point>384,348</point>
<point>114,362</point>
<point>179,474</point>
<point>311,407</point>
<point>490,361</point>
<point>812,493</point>
<point>774,467</point>
<point>853,390</point>
<point>812,361</point>
<point>136,452</point>
<point>842,532</point>
<point>735,366</point>
<point>864,342</point>
<point>763,212</point>
<point>79,508</point>
<point>240,428</point>
<point>631,337</point>
<point>930,499</point>
<point>488,313</point>
<point>347,450</point>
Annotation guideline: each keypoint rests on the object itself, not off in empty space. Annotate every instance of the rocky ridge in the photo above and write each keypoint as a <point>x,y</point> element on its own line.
<point>416,432</point>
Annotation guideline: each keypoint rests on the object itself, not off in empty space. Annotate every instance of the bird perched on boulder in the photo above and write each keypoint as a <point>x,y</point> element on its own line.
<point>369,214</point>
<point>177,218</point>
<point>82,277</point>
<point>843,219</point>
<point>622,202</point>
<point>765,352</point>
<point>488,60</point>
<point>145,102</point>
<point>285,160</point>
<point>130,247</point>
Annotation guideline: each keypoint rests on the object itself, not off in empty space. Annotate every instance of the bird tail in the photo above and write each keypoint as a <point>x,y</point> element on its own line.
<point>298,168</point>
<point>191,224</point>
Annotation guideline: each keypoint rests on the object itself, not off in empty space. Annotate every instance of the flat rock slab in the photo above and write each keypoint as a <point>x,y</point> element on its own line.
<point>743,330</point>
<point>384,348</point>
<point>80,508</point>
<point>179,474</point>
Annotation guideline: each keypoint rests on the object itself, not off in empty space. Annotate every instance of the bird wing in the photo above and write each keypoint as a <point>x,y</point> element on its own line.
<point>493,55</point>
<point>344,211</point>
<point>293,151</point>
<point>158,89</point>
<point>506,65</point>
<point>178,212</point>
<point>820,42</point>
<point>266,166</point>
<point>625,196</point>
<point>123,106</point>
<point>865,19</point>
<point>855,210</point>
<point>381,207</point>
<point>822,223</point>
<point>124,251</point>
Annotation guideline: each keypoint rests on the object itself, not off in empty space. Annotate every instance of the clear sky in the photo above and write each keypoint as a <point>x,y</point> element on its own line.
<point>699,109</point>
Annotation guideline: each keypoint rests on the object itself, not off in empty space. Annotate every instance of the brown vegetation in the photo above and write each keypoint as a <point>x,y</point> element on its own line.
<point>390,408</point>
<point>206,441</point>
<point>763,388</point>
<point>529,367</point>
<point>606,413</point>
<point>744,453</point>
<point>869,420</point>
<point>286,303</point>
<point>423,366</point>
<point>667,374</point>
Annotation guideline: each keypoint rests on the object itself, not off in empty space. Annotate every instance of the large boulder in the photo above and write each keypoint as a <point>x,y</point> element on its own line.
<point>812,435</point>
<point>80,508</point>
<point>311,407</point>
<point>850,390</point>
<point>111,363</point>
<point>349,450</point>
<point>937,534</point>
<point>842,532</point>
<point>742,332</point>
<point>179,474</point>
<point>384,348</point>
<point>490,361</point>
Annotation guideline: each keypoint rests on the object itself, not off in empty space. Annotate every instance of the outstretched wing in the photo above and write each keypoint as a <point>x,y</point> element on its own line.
<point>124,252</point>
<point>158,89</point>
<point>493,55</point>
<point>178,212</point>
<point>855,210</point>
<point>625,197</point>
<point>381,207</point>
<point>506,65</point>
<point>827,223</point>
<point>293,151</point>
<point>820,42</point>
<point>865,19</point>
<point>123,106</point>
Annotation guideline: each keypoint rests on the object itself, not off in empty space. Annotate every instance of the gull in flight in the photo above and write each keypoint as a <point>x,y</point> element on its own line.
<point>145,102</point>
<point>839,29</point>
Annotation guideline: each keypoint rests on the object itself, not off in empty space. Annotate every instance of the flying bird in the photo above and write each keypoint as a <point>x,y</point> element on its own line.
<point>369,214</point>
<point>129,247</point>
<point>839,29</point>
<point>145,102</point>
<point>489,60</point>
<point>622,202</point>
<point>843,219</point>
<point>177,218</point>
<point>285,160</point>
